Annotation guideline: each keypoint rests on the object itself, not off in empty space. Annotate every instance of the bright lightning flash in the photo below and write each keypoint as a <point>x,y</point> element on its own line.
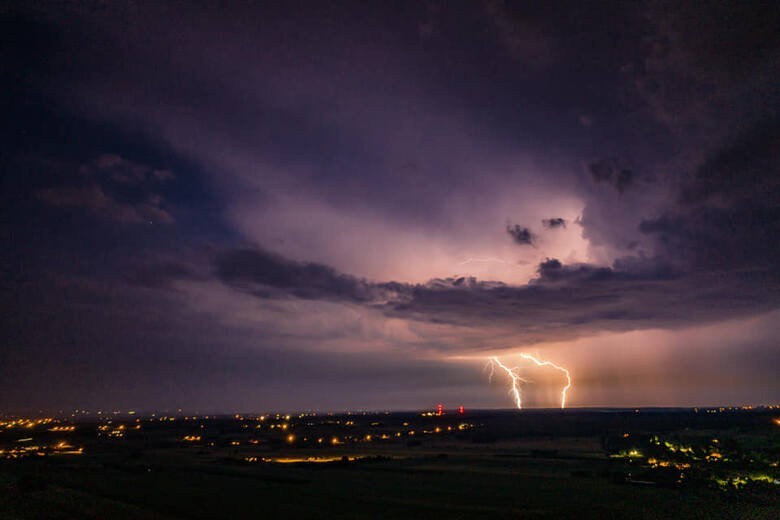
<point>514,376</point>
<point>556,367</point>
<point>516,379</point>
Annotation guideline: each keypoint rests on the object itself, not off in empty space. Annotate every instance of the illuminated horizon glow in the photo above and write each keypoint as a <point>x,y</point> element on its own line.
<point>515,377</point>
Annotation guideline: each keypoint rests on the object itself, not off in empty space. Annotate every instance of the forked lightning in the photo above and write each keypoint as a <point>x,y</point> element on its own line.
<point>515,378</point>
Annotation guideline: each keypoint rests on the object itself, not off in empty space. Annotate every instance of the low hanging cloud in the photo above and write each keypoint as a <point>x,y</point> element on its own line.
<point>562,302</point>
<point>554,223</point>
<point>521,235</point>
<point>267,275</point>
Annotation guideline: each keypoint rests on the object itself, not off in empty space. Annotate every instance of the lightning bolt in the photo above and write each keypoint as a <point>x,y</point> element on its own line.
<point>513,376</point>
<point>492,366</point>
<point>516,379</point>
<point>556,367</point>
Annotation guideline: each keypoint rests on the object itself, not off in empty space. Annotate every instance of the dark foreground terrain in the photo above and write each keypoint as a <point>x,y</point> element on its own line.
<point>703,463</point>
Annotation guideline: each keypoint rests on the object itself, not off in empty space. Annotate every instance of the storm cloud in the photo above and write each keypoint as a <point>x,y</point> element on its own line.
<point>609,171</point>
<point>582,297</point>
<point>270,189</point>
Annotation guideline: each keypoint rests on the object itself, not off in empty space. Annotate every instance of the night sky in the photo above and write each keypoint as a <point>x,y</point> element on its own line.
<point>346,205</point>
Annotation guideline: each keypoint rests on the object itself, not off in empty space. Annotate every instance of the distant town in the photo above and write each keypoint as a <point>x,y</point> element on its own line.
<point>675,458</point>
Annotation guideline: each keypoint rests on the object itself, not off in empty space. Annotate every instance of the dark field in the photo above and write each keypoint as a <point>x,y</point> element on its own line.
<point>715,463</point>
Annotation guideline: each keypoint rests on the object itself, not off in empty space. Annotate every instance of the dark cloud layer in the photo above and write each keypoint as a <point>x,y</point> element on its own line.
<point>729,211</point>
<point>632,294</point>
<point>745,167</point>
<point>609,171</point>
<point>265,272</point>
<point>114,188</point>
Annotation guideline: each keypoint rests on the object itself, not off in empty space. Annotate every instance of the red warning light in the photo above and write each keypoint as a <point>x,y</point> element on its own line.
<point>440,409</point>
<point>461,410</point>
